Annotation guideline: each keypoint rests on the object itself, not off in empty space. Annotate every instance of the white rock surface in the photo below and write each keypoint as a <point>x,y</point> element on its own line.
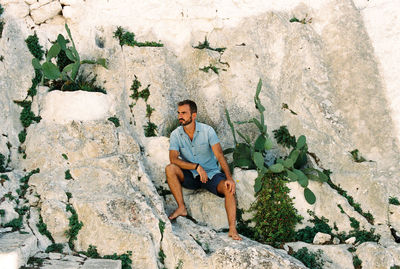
<point>351,241</point>
<point>334,256</point>
<point>62,107</point>
<point>45,12</point>
<point>16,248</point>
<point>321,238</point>
<point>373,255</point>
<point>101,264</point>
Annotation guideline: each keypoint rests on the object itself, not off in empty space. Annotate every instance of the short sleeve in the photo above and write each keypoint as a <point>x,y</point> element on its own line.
<point>173,142</point>
<point>212,137</point>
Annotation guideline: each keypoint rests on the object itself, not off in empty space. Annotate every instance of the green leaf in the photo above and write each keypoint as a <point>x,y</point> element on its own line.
<point>294,155</point>
<point>243,122</point>
<point>102,62</point>
<point>70,56</point>
<point>301,178</point>
<point>50,70</point>
<point>228,118</point>
<point>62,42</point>
<point>292,176</point>
<point>260,143</point>
<point>36,64</point>
<point>288,163</point>
<point>228,151</point>
<point>301,142</point>
<point>309,195</point>
<point>276,168</point>
<point>53,52</point>
<point>259,85</point>
<point>68,68</point>
<point>257,184</point>
<point>74,71</point>
<point>258,124</point>
<point>268,144</point>
<point>313,177</point>
<point>75,54</point>
<point>279,160</point>
<point>88,62</point>
<point>322,176</point>
<point>258,160</point>
<point>242,163</point>
<point>301,160</point>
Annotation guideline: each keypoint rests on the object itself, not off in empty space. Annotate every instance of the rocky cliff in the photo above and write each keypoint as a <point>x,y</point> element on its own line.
<point>330,75</point>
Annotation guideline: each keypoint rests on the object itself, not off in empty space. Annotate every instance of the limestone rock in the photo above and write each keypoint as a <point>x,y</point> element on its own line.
<point>39,4</point>
<point>245,189</point>
<point>45,12</point>
<point>55,216</point>
<point>101,264</point>
<point>334,256</point>
<point>63,107</point>
<point>30,2</point>
<point>394,216</point>
<point>43,241</point>
<point>373,255</point>
<point>321,238</point>
<point>336,241</point>
<point>16,248</point>
<point>17,9</point>
<point>351,241</point>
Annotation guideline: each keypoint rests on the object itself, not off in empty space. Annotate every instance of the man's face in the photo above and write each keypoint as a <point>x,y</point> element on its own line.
<point>185,117</point>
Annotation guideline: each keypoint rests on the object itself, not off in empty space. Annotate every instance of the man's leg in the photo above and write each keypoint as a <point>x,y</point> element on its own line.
<point>175,178</point>
<point>230,207</point>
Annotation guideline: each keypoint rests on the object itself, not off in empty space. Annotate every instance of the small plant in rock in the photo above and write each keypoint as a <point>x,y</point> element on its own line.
<point>68,175</point>
<point>42,227</point>
<point>125,259</point>
<point>74,226</point>
<point>394,200</point>
<point>16,224</point>
<point>310,259</point>
<point>128,38</point>
<point>22,136</point>
<point>2,212</point>
<point>55,248</point>
<point>357,263</point>
<point>206,45</point>
<point>1,21</point>
<point>66,76</point>
<point>307,234</point>
<point>357,156</point>
<point>305,20</point>
<point>284,138</point>
<point>115,121</point>
<point>64,156</point>
<point>210,66</point>
<point>179,265</point>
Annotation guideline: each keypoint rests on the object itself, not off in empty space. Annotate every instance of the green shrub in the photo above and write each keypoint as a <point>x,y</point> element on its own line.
<point>68,175</point>
<point>115,120</point>
<point>128,38</point>
<point>212,67</point>
<point>74,226</point>
<point>206,45</point>
<point>357,156</point>
<point>274,215</point>
<point>357,263</point>
<point>125,259</point>
<point>394,201</point>
<point>55,248</point>
<point>310,259</point>
<point>42,227</point>
<point>34,47</point>
<point>16,224</point>
<point>150,129</point>
<point>22,136</point>
<point>284,138</point>
<point>307,234</point>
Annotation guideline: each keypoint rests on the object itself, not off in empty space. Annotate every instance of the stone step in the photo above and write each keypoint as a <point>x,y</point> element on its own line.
<point>16,248</point>
<point>62,261</point>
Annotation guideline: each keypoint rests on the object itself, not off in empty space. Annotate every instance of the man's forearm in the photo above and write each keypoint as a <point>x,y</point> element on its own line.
<point>184,165</point>
<point>225,167</point>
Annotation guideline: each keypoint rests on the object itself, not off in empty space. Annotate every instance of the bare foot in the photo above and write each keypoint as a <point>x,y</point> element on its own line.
<point>178,212</point>
<point>234,235</point>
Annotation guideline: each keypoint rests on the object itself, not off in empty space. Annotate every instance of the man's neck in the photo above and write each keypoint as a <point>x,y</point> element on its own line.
<point>190,128</point>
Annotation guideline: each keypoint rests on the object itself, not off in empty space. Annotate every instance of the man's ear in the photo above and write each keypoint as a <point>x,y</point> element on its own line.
<point>194,115</point>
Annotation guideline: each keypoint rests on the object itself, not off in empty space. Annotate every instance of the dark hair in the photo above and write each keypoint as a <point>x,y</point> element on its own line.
<point>192,105</point>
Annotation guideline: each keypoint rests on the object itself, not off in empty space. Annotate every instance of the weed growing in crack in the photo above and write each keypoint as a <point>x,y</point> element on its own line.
<point>128,38</point>
<point>394,201</point>
<point>115,121</point>
<point>309,258</point>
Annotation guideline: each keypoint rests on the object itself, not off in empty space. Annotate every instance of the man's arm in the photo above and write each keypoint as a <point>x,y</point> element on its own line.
<point>173,158</point>
<point>229,183</point>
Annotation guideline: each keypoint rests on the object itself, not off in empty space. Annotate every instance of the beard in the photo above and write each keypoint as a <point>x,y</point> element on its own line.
<point>184,123</point>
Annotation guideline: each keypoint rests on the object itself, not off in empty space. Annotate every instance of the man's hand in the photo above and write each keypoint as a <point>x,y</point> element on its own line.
<point>202,173</point>
<point>230,185</point>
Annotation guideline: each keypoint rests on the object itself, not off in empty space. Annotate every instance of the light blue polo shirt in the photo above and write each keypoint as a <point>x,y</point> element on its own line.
<point>199,150</point>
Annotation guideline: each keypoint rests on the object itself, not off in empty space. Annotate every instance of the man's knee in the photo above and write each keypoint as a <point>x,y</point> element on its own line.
<point>171,169</point>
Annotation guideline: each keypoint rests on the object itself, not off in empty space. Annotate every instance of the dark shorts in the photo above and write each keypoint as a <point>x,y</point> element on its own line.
<point>194,183</point>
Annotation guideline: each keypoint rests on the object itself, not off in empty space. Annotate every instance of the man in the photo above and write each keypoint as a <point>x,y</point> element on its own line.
<point>198,147</point>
